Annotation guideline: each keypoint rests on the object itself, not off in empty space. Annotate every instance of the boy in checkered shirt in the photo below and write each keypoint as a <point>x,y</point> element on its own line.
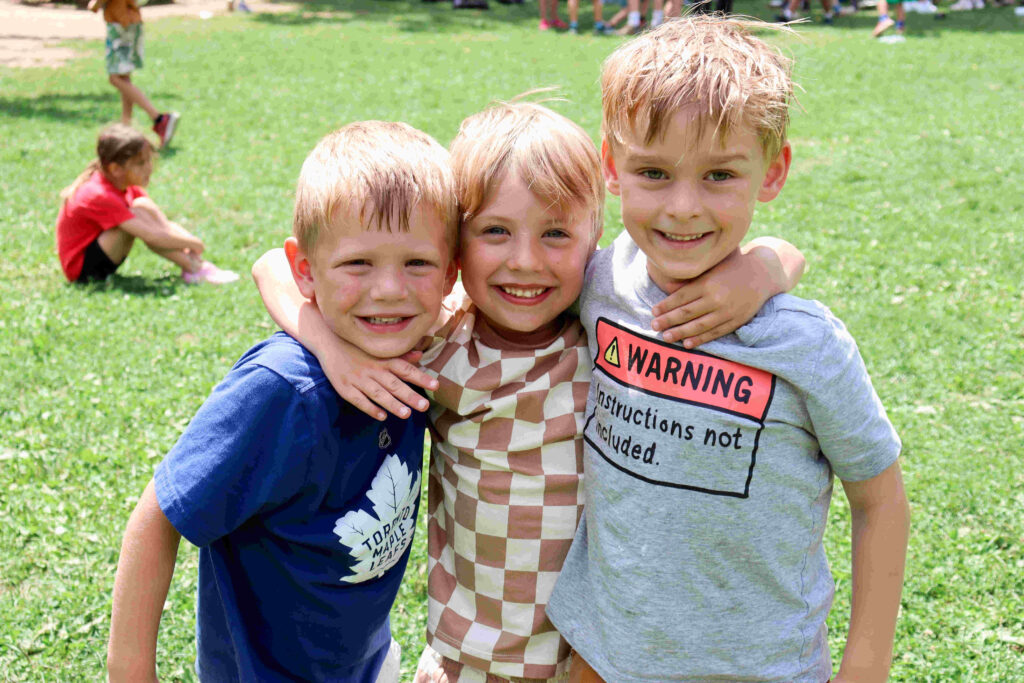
<point>508,373</point>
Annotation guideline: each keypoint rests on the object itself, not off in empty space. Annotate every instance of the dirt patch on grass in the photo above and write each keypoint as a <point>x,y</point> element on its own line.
<point>31,34</point>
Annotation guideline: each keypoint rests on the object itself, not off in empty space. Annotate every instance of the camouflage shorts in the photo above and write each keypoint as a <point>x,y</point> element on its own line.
<point>124,48</point>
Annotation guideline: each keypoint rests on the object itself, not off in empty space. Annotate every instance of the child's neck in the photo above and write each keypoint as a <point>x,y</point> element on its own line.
<point>499,337</point>
<point>113,179</point>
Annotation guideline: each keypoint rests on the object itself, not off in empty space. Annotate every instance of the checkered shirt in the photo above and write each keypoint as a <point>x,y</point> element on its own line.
<point>505,492</point>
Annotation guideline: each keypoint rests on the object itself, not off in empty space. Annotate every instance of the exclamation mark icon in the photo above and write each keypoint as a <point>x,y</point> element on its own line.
<point>611,354</point>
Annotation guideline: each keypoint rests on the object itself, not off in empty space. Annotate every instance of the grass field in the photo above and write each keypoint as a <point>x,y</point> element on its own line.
<point>905,196</point>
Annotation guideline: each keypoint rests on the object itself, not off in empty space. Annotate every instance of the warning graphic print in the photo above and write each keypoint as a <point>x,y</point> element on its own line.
<point>675,417</point>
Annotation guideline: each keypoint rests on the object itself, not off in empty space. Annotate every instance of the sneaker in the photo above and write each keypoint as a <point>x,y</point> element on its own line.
<point>544,25</point>
<point>883,25</point>
<point>574,28</point>
<point>628,30</point>
<point>470,4</point>
<point>979,4</point>
<point>209,273</point>
<point>165,125</point>
<point>927,7</point>
<point>829,17</point>
<point>962,5</point>
<point>242,7</point>
<point>776,3</point>
<point>560,25</point>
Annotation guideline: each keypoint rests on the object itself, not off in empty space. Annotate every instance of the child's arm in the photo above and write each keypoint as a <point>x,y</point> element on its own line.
<point>881,521</point>
<point>152,227</point>
<point>367,383</point>
<point>730,294</point>
<point>144,571</point>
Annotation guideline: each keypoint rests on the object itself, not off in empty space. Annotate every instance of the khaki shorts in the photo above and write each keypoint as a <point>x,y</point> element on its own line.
<point>124,48</point>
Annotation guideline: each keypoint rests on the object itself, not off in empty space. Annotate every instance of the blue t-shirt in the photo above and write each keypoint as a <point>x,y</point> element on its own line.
<point>304,510</point>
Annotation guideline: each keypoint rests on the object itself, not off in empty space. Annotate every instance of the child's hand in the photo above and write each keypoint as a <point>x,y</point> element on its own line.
<point>95,5</point>
<point>726,297</point>
<point>371,384</point>
<point>714,304</point>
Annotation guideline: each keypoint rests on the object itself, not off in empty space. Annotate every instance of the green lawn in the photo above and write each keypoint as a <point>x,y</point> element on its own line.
<point>905,197</point>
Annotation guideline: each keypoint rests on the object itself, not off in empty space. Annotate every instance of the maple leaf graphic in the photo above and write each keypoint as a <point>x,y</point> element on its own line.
<point>376,542</point>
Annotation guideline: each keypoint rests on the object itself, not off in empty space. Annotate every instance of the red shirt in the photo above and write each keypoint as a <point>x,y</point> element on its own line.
<point>96,206</point>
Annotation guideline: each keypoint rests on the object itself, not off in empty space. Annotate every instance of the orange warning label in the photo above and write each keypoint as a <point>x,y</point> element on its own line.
<point>673,372</point>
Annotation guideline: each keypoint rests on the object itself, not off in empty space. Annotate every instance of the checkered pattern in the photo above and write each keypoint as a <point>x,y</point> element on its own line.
<point>505,492</point>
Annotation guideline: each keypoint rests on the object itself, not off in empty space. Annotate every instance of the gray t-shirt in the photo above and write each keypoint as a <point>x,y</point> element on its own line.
<point>708,477</point>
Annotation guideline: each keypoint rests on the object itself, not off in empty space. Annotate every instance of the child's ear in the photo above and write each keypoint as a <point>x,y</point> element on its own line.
<point>611,175</point>
<point>775,178</point>
<point>302,268</point>
<point>450,276</point>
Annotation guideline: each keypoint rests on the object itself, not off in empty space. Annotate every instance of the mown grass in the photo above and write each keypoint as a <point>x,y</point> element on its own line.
<point>905,198</point>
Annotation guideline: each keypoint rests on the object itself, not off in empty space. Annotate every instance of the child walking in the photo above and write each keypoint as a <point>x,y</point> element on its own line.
<point>708,475</point>
<point>304,509</point>
<point>124,52</point>
<point>509,371</point>
<point>106,209</point>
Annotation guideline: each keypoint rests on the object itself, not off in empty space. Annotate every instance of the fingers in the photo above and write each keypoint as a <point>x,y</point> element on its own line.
<point>414,375</point>
<point>361,402</point>
<point>686,314</point>
<point>691,342</point>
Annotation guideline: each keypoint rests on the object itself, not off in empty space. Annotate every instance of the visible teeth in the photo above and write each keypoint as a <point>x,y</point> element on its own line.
<point>682,238</point>
<point>523,293</point>
<point>384,321</point>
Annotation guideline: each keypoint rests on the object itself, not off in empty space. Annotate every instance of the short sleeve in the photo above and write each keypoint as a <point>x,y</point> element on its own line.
<point>246,450</point>
<point>105,209</point>
<point>849,420</point>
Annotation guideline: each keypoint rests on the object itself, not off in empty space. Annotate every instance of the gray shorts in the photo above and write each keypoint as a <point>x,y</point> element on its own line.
<point>124,48</point>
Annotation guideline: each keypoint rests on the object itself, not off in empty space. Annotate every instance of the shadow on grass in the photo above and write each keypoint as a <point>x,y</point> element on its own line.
<point>138,285</point>
<point>412,16</point>
<point>417,16</point>
<point>993,20</point>
<point>101,108</point>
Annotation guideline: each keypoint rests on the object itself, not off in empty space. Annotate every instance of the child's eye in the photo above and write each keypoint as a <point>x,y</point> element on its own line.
<point>418,263</point>
<point>557,233</point>
<point>719,176</point>
<point>653,174</point>
<point>495,230</point>
<point>355,263</point>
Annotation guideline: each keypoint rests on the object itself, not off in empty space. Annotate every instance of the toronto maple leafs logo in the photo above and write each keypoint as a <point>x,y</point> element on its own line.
<point>377,541</point>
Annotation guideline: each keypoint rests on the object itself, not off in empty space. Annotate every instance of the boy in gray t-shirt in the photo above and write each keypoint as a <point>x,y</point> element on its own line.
<point>708,474</point>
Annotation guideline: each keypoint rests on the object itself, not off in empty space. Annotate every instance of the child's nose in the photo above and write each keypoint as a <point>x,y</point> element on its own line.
<point>683,202</point>
<point>388,285</point>
<point>525,256</point>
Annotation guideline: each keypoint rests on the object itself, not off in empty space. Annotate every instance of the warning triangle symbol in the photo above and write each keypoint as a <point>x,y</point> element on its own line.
<point>611,354</point>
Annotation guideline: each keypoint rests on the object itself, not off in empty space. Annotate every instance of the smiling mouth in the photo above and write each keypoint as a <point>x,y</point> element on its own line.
<point>682,238</point>
<point>385,321</point>
<point>523,292</point>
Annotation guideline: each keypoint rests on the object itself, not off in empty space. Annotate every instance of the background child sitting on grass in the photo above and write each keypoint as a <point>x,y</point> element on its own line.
<point>512,371</point>
<point>708,475</point>
<point>106,209</point>
<point>303,507</point>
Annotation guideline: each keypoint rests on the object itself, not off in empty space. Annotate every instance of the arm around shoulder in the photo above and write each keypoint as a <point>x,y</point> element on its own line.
<point>881,525</point>
<point>144,571</point>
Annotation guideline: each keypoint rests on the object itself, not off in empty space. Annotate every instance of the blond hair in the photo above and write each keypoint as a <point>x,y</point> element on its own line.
<point>709,61</point>
<point>117,144</point>
<point>548,152</point>
<point>379,172</point>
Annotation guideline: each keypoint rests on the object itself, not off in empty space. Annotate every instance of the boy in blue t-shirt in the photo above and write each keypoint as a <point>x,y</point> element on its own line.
<point>303,507</point>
